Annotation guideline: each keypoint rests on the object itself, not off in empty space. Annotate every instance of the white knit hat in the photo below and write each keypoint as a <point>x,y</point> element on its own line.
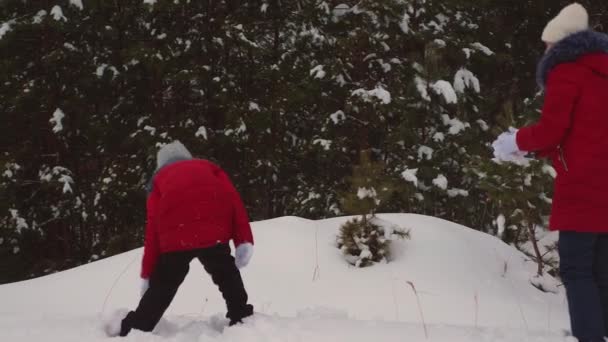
<point>570,20</point>
<point>174,150</point>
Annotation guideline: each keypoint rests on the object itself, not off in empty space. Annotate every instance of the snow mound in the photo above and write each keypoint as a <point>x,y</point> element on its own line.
<point>470,286</point>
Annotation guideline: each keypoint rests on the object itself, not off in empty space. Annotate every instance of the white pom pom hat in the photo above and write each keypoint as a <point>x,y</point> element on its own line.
<point>570,20</point>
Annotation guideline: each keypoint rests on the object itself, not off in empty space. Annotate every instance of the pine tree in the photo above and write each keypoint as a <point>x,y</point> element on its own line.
<point>365,241</point>
<point>304,103</point>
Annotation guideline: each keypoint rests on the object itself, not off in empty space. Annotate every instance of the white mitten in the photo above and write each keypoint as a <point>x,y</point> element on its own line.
<point>243,254</point>
<point>505,146</point>
<point>145,284</point>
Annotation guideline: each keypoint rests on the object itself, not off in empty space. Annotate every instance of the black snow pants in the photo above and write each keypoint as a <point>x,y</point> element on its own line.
<point>169,273</point>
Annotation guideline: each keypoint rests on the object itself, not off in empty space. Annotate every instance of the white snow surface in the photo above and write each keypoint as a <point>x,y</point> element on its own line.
<point>471,287</point>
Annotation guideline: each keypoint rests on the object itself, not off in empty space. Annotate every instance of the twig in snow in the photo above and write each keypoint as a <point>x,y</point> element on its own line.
<point>539,258</point>
<point>426,333</point>
<point>316,275</point>
<point>105,302</point>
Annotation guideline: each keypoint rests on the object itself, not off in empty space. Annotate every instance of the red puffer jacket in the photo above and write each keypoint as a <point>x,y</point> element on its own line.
<point>192,204</point>
<point>573,130</point>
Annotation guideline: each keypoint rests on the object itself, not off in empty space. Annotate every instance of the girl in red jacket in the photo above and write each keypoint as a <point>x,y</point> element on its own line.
<point>193,211</point>
<point>573,131</point>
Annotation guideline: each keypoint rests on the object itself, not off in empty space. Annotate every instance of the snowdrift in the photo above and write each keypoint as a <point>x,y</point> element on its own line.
<point>470,286</point>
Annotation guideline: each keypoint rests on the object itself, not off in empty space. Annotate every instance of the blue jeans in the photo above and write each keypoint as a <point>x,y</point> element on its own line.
<point>584,271</point>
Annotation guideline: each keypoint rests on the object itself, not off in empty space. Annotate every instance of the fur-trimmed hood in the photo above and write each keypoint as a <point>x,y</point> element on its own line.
<point>571,49</point>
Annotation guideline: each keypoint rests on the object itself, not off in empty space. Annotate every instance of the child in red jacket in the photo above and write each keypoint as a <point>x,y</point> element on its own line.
<point>193,211</point>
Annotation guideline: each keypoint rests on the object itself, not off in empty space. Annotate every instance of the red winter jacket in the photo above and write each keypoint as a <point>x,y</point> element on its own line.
<point>192,204</point>
<point>573,131</point>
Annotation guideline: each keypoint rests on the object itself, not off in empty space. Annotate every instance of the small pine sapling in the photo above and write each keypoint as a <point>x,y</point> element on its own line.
<point>365,240</point>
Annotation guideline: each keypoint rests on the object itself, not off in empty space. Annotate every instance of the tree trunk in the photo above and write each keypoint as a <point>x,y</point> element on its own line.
<point>539,258</point>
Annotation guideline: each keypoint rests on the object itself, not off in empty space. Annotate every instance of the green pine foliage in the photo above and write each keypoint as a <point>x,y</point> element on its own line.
<point>315,109</point>
<point>365,240</point>
<point>370,187</point>
<point>519,193</point>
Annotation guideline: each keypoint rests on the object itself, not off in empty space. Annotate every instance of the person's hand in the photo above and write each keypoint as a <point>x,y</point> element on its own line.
<point>505,147</point>
<point>243,254</point>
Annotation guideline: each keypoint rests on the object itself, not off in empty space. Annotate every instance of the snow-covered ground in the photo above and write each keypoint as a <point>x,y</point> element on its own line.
<point>470,286</point>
